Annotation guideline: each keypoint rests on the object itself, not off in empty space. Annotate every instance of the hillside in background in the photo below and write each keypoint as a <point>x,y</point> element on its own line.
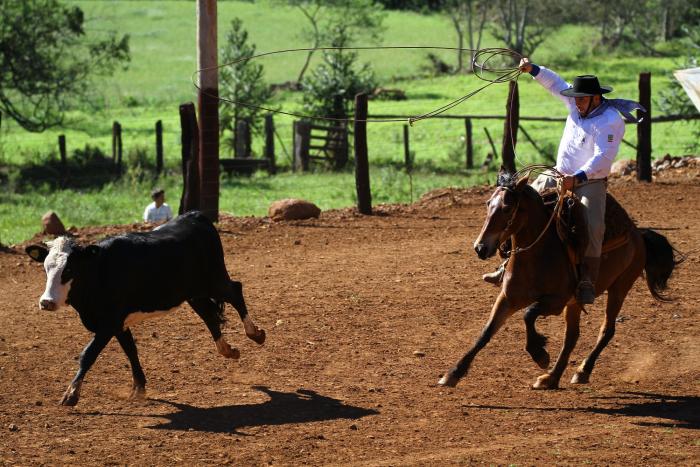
<point>159,79</point>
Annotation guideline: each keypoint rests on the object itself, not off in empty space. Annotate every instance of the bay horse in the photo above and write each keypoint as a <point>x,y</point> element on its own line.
<point>539,277</point>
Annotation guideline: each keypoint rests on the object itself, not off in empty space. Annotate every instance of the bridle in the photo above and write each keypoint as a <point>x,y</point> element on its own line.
<point>555,211</point>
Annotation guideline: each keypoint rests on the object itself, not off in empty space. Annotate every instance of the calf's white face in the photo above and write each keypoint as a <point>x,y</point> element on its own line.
<point>55,264</point>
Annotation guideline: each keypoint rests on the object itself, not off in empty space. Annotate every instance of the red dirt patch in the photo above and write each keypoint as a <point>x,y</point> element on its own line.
<point>346,301</point>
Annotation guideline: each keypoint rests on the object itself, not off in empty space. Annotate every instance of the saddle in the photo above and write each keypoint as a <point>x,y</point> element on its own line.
<point>571,223</point>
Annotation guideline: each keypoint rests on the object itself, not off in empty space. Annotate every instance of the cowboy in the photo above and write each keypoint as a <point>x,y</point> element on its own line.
<point>588,147</point>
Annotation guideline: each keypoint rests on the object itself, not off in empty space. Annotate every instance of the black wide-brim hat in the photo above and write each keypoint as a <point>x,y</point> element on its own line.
<point>586,85</point>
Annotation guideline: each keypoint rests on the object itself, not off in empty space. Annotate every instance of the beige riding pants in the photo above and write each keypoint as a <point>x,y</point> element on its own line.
<point>592,195</point>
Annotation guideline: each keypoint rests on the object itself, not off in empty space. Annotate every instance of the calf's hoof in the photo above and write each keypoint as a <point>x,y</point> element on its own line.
<point>70,397</point>
<point>258,337</point>
<point>449,380</point>
<point>546,381</point>
<point>226,350</point>
<point>580,378</point>
<point>231,352</point>
<point>138,393</point>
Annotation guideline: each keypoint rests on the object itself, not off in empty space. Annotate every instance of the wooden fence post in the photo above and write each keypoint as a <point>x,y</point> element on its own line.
<point>468,142</point>
<point>302,140</point>
<point>208,104</point>
<point>117,145</point>
<point>62,150</point>
<point>364,193</point>
<point>644,129</point>
<point>406,149</point>
<point>242,149</point>
<point>190,198</point>
<point>159,147</point>
<point>270,144</point>
<point>494,153</point>
<point>510,127</point>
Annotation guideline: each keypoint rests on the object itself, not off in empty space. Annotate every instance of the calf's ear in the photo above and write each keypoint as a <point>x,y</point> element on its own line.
<point>37,252</point>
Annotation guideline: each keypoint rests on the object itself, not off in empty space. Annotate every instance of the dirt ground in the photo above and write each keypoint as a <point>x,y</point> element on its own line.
<point>363,314</point>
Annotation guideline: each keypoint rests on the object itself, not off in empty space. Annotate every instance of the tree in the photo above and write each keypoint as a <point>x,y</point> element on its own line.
<point>468,18</point>
<point>48,62</point>
<point>425,6</point>
<point>355,18</point>
<point>242,82</point>
<point>522,24</point>
<point>331,87</point>
<point>639,24</point>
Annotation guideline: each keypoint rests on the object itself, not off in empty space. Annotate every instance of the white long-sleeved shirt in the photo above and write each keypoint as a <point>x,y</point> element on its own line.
<point>157,214</point>
<point>588,144</point>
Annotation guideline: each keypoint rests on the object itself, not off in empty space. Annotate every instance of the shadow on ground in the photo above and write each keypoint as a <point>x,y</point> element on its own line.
<point>680,411</point>
<point>282,408</point>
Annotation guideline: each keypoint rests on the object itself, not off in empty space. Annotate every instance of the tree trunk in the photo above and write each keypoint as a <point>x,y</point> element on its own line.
<point>460,40</point>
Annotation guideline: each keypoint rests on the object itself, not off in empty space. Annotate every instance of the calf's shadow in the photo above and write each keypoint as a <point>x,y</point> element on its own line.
<point>282,408</point>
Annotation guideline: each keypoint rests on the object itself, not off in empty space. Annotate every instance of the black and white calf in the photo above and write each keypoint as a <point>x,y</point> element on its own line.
<point>128,278</point>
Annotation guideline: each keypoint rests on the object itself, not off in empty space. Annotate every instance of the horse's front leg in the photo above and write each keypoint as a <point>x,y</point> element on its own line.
<point>500,312</point>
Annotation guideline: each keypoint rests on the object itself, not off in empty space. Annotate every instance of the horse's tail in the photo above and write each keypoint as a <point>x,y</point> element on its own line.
<point>662,259</point>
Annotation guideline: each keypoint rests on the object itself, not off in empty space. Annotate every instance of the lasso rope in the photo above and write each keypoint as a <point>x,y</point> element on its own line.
<point>480,65</point>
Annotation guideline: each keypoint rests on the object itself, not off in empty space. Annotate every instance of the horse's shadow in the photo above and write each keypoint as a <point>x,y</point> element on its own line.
<point>282,408</point>
<point>681,411</point>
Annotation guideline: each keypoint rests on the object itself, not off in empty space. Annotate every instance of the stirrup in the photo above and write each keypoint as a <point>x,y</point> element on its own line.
<point>585,292</point>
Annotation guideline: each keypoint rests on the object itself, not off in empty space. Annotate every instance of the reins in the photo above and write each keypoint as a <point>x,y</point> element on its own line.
<point>555,212</point>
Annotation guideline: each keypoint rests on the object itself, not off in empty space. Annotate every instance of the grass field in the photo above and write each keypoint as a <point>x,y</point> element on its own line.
<point>159,77</point>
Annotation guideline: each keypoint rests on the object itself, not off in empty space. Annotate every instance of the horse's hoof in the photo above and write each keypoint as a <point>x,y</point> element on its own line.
<point>448,380</point>
<point>138,393</point>
<point>580,378</point>
<point>540,356</point>
<point>258,337</point>
<point>546,382</point>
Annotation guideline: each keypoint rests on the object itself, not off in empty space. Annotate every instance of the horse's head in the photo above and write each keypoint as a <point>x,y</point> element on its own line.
<point>503,215</point>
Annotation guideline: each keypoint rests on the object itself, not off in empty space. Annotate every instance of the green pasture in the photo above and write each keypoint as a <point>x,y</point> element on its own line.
<point>159,79</point>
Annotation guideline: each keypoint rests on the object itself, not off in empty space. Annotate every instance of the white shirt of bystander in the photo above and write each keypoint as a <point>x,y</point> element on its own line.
<point>157,214</point>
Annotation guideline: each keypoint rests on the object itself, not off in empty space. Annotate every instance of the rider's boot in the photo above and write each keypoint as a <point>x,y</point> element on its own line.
<point>588,272</point>
<point>496,277</point>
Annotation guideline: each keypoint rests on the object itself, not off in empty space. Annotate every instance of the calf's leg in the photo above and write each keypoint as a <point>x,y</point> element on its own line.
<point>208,310</point>
<point>87,358</point>
<point>126,340</point>
<point>234,296</point>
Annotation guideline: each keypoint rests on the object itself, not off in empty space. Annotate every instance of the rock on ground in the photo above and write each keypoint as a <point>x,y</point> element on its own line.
<point>291,209</point>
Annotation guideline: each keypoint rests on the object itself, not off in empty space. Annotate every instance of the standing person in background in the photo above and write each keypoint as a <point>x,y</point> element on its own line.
<point>158,210</point>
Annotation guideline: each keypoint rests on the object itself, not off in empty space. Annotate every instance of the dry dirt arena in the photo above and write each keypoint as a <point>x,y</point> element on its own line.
<point>363,315</point>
